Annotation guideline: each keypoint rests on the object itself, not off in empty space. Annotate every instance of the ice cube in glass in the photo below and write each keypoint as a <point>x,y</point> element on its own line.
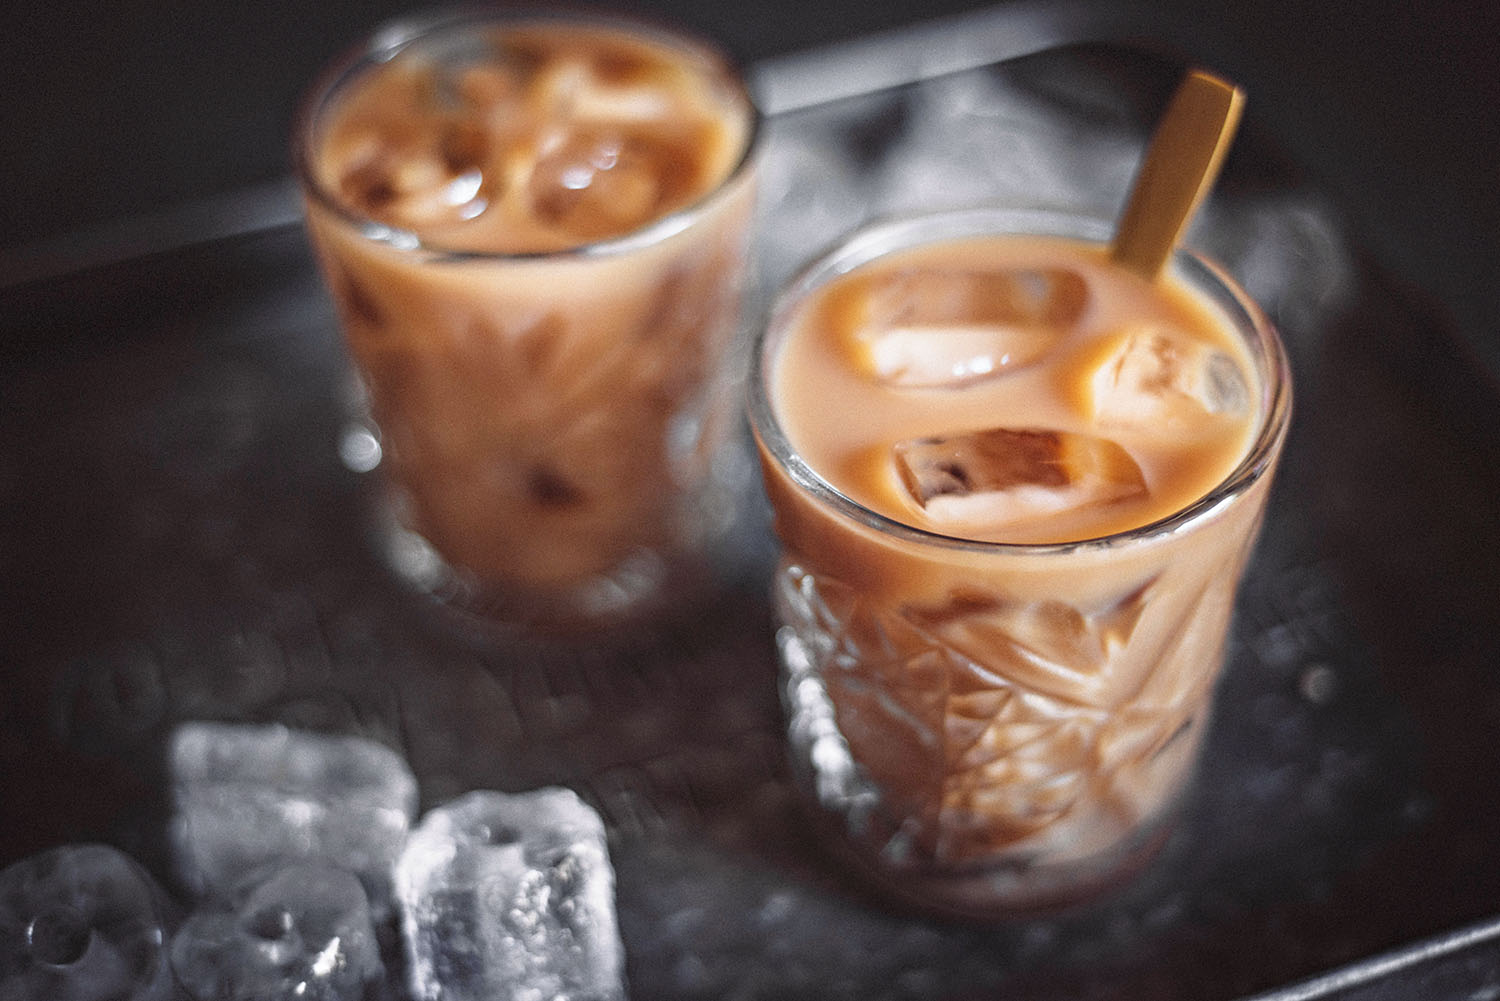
<point>921,327</point>
<point>1000,477</point>
<point>1151,376</point>
<point>613,89</point>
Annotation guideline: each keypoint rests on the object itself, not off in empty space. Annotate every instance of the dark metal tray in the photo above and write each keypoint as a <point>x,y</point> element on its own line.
<point>181,542</point>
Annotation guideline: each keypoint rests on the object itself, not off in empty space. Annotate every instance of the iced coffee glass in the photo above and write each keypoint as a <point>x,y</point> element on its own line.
<point>534,229</point>
<point>1015,487</point>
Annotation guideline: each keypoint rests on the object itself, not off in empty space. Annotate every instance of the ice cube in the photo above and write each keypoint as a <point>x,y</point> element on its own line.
<point>597,183</point>
<point>246,795</point>
<point>610,89</point>
<point>1163,377</point>
<point>1003,477</point>
<point>418,188</point>
<point>294,932</point>
<point>84,923</point>
<point>510,897</point>
<point>951,357</point>
<point>934,327</point>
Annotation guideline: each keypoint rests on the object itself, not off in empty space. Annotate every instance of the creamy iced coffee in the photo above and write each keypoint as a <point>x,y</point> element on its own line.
<point>1016,486</point>
<point>534,229</point>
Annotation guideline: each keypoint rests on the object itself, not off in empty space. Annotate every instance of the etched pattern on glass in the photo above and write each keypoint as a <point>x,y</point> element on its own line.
<point>989,729</point>
<point>530,452</point>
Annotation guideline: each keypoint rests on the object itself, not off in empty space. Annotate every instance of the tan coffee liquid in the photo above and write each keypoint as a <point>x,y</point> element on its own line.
<point>533,137</point>
<point>544,414</point>
<point>1081,350</point>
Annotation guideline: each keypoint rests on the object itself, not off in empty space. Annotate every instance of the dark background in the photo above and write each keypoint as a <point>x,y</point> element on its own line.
<point>114,111</point>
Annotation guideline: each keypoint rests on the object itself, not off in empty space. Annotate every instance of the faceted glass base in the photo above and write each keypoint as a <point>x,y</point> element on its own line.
<point>990,754</point>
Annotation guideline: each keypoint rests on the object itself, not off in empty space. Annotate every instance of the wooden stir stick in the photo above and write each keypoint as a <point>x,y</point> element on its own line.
<point>1180,167</point>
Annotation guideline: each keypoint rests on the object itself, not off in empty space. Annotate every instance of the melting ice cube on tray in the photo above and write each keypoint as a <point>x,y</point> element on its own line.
<point>933,327</point>
<point>296,932</point>
<point>246,795</point>
<point>1002,477</point>
<point>507,897</point>
<point>85,922</point>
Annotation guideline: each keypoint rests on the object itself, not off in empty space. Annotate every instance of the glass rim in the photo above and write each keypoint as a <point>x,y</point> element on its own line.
<point>389,39</point>
<point>865,244</point>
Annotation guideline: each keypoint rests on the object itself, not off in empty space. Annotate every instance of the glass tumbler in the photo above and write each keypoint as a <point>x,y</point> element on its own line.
<point>985,727</point>
<point>534,228</point>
